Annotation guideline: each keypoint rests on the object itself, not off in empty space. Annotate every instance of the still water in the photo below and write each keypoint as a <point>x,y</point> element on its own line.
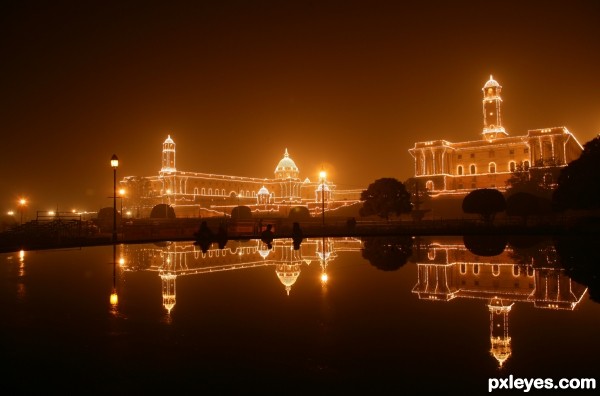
<point>335,315</point>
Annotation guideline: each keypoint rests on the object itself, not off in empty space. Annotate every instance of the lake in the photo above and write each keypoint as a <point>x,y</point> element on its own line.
<point>379,315</point>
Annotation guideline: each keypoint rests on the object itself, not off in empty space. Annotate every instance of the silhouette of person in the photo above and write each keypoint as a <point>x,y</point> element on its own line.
<point>296,235</point>
<point>267,236</point>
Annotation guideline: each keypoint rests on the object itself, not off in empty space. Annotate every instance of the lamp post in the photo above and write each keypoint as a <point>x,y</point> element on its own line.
<point>322,175</point>
<point>114,162</point>
<point>121,196</point>
<point>22,203</point>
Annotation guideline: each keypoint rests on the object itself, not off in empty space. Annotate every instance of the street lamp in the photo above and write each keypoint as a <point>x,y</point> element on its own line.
<point>22,203</point>
<point>322,175</point>
<point>114,162</point>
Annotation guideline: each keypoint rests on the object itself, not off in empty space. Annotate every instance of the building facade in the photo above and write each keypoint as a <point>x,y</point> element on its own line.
<point>193,194</point>
<point>488,162</point>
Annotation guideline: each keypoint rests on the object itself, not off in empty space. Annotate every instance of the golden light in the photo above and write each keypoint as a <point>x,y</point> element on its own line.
<point>324,277</point>
<point>128,213</point>
<point>322,175</point>
<point>122,261</point>
<point>168,191</point>
<point>10,213</point>
<point>114,161</point>
<point>122,192</point>
<point>114,298</point>
<point>51,213</point>
<point>21,255</point>
<point>22,201</point>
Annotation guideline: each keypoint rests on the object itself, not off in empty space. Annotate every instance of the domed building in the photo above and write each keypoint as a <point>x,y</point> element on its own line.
<point>193,194</point>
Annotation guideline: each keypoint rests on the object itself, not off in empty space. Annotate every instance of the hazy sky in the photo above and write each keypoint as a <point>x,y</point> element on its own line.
<point>349,85</point>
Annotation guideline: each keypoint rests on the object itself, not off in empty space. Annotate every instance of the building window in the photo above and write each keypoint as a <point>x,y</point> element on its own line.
<point>526,150</point>
<point>460,186</point>
<point>512,166</point>
<point>492,167</point>
<point>473,185</point>
<point>429,185</point>
<point>459,170</point>
<point>476,269</point>
<point>459,156</point>
<point>491,154</point>
<point>203,191</point>
<point>472,169</point>
<point>463,268</point>
<point>511,151</point>
<point>210,191</point>
<point>526,165</point>
<point>495,270</point>
<point>472,155</point>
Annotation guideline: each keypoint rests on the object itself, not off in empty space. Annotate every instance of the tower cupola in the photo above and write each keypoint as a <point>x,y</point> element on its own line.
<point>168,155</point>
<point>492,119</point>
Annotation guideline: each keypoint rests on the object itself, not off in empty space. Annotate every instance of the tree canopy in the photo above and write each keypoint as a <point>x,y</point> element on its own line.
<point>579,182</point>
<point>485,202</point>
<point>162,211</point>
<point>384,197</point>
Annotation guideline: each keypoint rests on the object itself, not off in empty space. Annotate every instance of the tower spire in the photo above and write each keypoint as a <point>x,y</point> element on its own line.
<point>492,101</point>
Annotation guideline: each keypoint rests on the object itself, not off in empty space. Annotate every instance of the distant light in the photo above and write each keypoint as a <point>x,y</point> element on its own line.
<point>323,175</point>
<point>10,213</point>
<point>128,213</point>
<point>22,254</point>
<point>324,277</point>
<point>22,201</point>
<point>122,261</point>
<point>122,192</point>
<point>114,161</point>
<point>51,213</point>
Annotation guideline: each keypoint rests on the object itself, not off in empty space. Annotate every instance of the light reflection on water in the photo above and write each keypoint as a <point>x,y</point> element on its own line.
<point>343,313</point>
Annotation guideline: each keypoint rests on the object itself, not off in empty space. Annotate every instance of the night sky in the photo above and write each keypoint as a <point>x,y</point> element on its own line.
<point>344,85</point>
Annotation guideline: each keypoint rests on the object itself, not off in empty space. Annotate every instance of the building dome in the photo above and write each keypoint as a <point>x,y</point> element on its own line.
<point>169,140</point>
<point>263,190</point>
<point>491,83</point>
<point>286,168</point>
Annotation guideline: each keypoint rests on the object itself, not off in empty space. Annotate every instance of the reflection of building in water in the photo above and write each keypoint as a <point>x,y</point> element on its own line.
<point>175,259</point>
<point>192,193</point>
<point>449,271</point>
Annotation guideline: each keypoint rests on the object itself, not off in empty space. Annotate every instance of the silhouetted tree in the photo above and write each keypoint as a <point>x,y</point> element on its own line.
<point>579,182</point>
<point>579,256</point>
<point>387,253</point>
<point>485,202</point>
<point>522,204</point>
<point>299,213</point>
<point>485,245</point>
<point>106,218</point>
<point>538,179</point>
<point>241,212</point>
<point>162,211</point>
<point>420,196</point>
<point>384,197</point>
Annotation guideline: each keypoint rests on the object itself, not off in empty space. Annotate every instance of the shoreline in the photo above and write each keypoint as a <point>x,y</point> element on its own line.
<point>185,230</point>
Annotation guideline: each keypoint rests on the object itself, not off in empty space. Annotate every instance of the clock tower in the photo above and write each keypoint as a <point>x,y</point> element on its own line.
<point>492,120</point>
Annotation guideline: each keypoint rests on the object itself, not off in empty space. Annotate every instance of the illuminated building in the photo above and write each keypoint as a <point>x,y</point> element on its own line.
<point>193,194</point>
<point>453,168</point>
<point>448,271</point>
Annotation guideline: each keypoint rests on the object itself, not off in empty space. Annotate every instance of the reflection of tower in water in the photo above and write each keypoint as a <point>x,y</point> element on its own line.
<point>449,271</point>
<point>499,338</point>
<point>174,259</point>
